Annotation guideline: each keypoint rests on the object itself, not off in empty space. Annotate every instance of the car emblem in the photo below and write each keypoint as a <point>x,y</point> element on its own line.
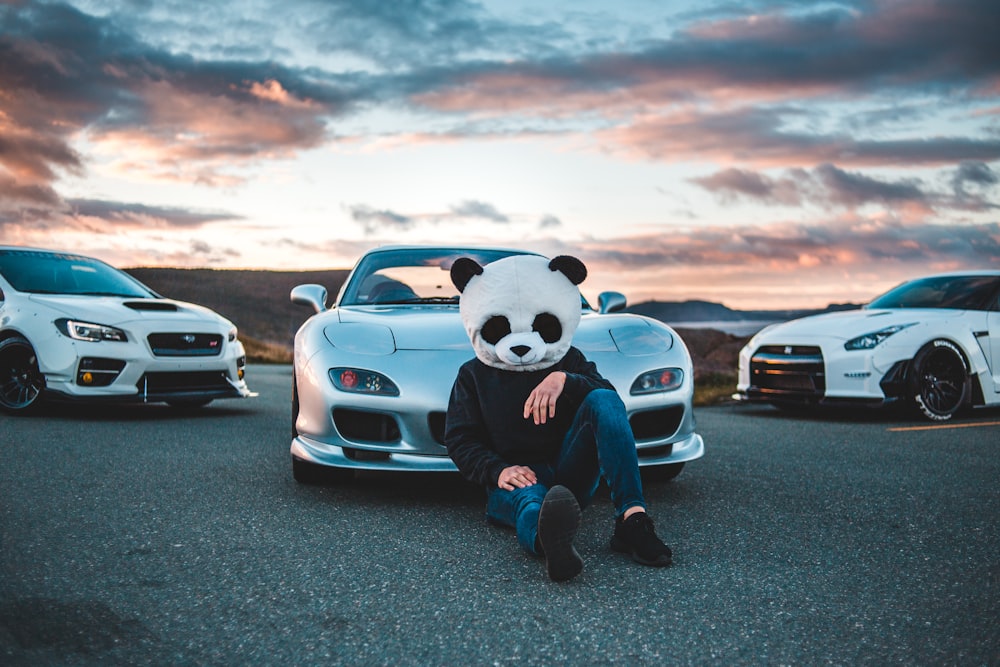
<point>188,338</point>
<point>788,349</point>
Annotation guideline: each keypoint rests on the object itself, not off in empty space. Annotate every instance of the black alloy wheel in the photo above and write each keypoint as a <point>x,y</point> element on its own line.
<point>939,380</point>
<point>21,383</point>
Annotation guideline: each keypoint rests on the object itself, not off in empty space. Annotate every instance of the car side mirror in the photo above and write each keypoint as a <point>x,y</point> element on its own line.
<point>313,296</point>
<point>610,302</point>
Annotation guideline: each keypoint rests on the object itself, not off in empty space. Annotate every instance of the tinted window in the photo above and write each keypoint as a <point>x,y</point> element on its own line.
<point>958,292</point>
<point>57,273</point>
<point>410,275</point>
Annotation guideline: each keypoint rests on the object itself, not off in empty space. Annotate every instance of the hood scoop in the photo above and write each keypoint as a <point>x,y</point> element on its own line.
<point>159,306</point>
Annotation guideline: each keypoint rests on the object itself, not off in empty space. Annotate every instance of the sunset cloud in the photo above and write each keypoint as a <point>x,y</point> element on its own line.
<point>827,186</point>
<point>374,221</point>
<point>678,142</point>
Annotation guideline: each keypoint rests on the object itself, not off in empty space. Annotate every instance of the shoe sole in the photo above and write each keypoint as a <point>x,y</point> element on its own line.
<point>558,523</point>
<point>622,547</point>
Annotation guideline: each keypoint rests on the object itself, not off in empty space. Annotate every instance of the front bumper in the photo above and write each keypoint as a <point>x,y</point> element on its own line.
<point>823,374</point>
<point>130,373</point>
<point>314,451</point>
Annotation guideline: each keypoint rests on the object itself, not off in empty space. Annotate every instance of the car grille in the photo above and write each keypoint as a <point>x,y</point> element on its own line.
<point>366,426</point>
<point>790,371</point>
<point>181,383</point>
<point>185,344</point>
<point>656,424</point>
<point>435,421</point>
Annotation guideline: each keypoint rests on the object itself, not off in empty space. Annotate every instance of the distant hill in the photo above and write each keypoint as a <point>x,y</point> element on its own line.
<point>256,302</point>
<point>709,311</point>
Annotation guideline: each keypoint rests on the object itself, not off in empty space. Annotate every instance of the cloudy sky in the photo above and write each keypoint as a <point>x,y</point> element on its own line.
<point>758,153</point>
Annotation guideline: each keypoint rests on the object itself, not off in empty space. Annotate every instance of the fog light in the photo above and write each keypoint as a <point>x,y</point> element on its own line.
<point>239,373</point>
<point>98,372</point>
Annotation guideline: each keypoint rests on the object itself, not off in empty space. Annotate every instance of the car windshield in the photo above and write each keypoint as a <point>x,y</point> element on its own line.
<point>410,275</point>
<point>958,292</point>
<point>41,272</point>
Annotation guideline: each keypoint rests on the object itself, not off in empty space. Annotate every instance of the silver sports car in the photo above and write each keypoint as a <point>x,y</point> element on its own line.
<point>372,374</point>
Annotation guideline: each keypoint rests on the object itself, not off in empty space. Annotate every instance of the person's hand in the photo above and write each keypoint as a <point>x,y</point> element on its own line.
<point>541,403</point>
<point>516,477</point>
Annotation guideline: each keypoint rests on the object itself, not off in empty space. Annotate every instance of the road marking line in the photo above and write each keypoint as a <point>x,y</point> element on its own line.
<point>940,426</point>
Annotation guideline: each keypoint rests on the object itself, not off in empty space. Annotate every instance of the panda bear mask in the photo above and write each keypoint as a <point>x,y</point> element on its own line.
<point>520,312</point>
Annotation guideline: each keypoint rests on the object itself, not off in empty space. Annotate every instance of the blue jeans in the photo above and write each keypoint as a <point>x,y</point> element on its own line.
<point>598,444</point>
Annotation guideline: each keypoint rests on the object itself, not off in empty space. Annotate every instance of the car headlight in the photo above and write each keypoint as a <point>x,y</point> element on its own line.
<point>358,381</point>
<point>664,379</point>
<point>870,340</point>
<point>232,335</point>
<point>89,331</point>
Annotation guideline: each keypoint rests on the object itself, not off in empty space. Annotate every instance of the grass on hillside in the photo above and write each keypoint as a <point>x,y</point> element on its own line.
<point>714,388</point>
<point>261,352</point>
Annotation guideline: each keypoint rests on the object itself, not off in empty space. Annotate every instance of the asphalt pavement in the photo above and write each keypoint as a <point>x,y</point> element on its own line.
<point>144,535</point>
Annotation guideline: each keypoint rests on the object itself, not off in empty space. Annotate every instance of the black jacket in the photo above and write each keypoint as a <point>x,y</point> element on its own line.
<point>485,429</point>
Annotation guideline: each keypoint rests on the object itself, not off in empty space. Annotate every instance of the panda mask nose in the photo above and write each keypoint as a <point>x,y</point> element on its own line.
<point>520,350</point>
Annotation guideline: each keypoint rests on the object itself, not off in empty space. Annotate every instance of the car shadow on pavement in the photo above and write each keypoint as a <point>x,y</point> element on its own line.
<point>892,414</point>
<point>133,412</point>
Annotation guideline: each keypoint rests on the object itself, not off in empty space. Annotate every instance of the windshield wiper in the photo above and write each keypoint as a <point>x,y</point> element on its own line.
<point>437,299</point>
<point>426,299</point>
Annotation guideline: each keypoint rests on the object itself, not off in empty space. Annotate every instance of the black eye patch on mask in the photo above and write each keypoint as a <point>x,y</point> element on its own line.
<point>495,328</point>
<point>548,327</point>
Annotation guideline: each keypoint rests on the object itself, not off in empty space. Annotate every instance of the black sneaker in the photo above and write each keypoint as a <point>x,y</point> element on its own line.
<point>635,536</point>
<point>558,521</point>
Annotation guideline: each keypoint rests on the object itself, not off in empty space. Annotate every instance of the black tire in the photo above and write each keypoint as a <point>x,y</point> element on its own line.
<point>306,472</point>
<point>662,473</point>
<point>21,383</point>
<point>295,406</point>
<point>939,380</point>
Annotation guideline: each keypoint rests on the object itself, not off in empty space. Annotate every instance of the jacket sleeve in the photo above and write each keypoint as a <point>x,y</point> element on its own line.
<point>465,435</point>
<point>582,376</point>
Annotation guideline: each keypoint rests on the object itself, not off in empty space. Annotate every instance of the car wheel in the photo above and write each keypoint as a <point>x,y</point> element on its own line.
<point>939,380</point>
<point>306,472</point>
<point>295,406</point>
<point>662,473</point>
<point>21,383</point>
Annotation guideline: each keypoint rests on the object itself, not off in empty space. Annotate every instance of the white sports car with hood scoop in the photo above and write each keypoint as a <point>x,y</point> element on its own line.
<point>373,374</point>
<point>932,343</point>
<point>75,328</point>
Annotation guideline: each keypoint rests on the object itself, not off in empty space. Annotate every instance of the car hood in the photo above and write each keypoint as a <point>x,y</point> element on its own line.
<point>849,324</point>
<point>116,310</point>
<point>379,330</point>
<point>413,328</point>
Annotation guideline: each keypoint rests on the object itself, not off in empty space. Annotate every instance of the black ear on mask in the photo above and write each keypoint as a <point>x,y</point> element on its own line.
<point>570,267</point>
<point>463,270</point>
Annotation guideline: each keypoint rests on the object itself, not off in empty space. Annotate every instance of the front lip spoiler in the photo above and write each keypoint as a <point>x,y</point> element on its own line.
<point>314,451</point>
<point>161,397</point>
<point>757,396</point>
